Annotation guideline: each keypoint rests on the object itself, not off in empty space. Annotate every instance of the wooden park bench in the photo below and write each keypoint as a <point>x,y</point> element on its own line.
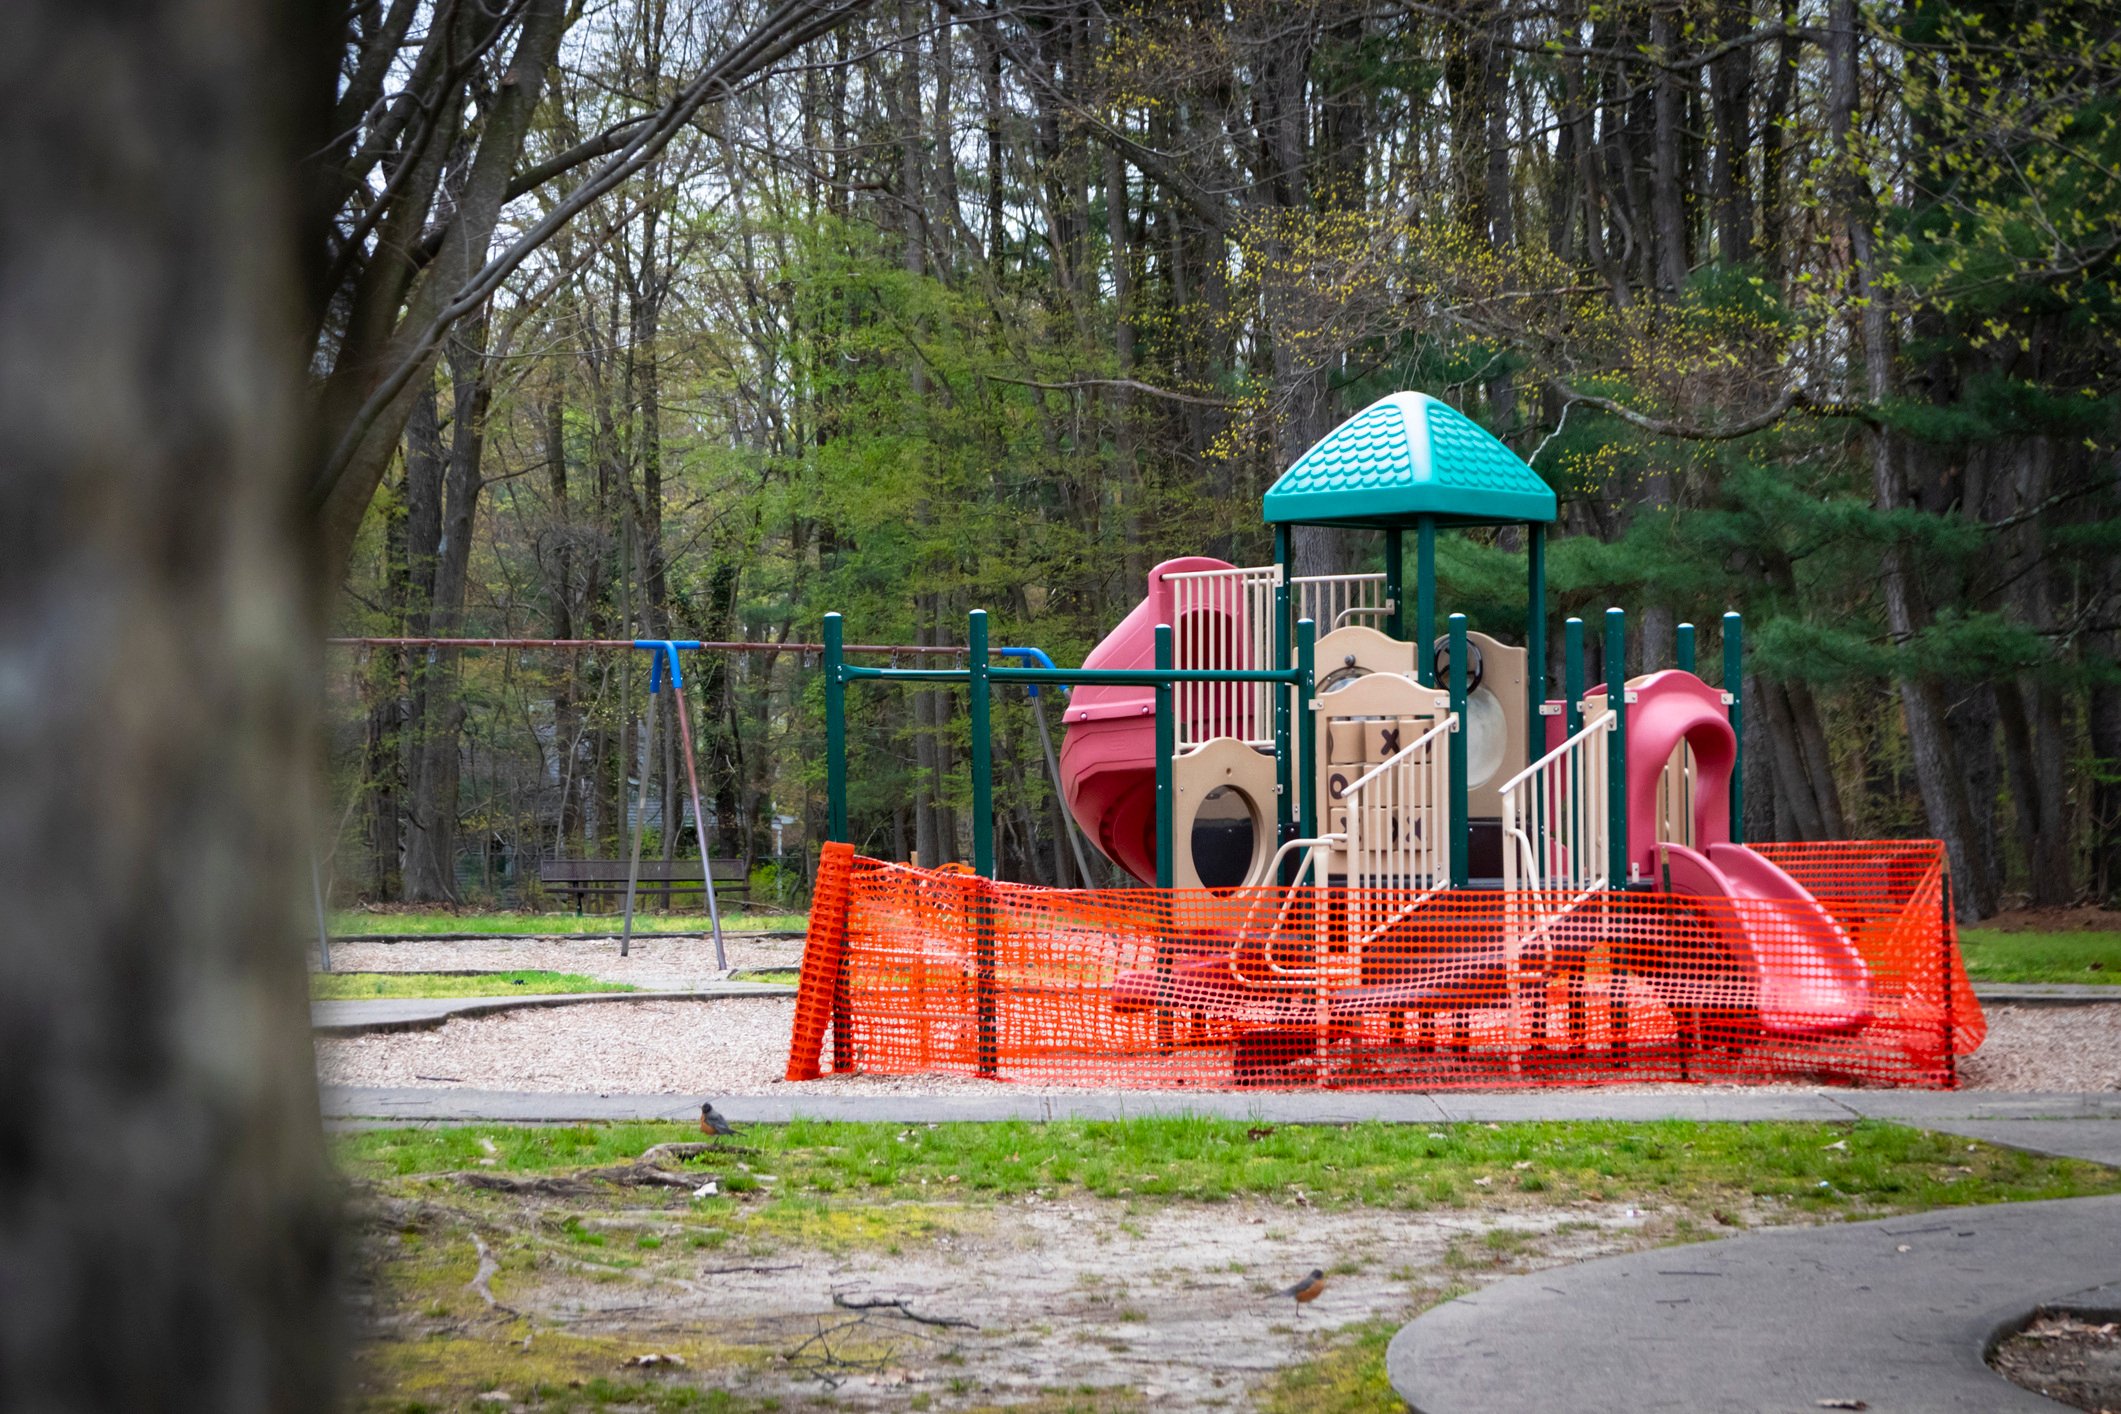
<point>582,880</point>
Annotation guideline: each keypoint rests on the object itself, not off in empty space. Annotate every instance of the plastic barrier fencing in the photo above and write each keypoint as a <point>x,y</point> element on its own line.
<point>912,971</point>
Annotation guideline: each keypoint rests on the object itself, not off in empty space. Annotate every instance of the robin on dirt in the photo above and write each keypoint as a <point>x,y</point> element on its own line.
<point>1307,1290</point>
<point>711,1122</point>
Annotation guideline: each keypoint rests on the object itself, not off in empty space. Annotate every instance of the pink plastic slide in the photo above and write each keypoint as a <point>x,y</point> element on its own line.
<point>1810,978</point>
<point>1108,758</point>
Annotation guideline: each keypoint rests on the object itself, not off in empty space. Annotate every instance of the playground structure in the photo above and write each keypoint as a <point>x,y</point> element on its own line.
<point>1381,859</point>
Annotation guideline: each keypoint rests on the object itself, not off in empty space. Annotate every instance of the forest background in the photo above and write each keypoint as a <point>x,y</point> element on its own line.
<point>644,319</point>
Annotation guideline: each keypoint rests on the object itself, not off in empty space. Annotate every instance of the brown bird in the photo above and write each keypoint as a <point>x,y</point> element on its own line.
<point>711,1122</point>
<point>1307,1290</point>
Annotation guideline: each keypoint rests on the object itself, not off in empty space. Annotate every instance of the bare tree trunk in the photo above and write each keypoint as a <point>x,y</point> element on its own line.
<point>566,715</point>
<point>1730,103</point>
<point>1667,198</point>
<point>445,487</point>
<point>1774,147</point>
<point>1793,785</point>
<point>167,1228</point>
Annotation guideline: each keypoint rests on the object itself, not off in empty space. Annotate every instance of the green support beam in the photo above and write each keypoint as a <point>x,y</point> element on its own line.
<point>1535,672</point>
<point>1306,728</point>
<point>1686,648</point>
<point>1461,828</point>
<point>1534,641</point>
<point>1166,748</point>
<point>1284,779</point>
<point>1572,675</point>
<point>1425,601</point>
<point>1616,690</point>
<point>835,733</point>
<point>1734,684</point>
<point>1395,582</point>
<point>982,746</point>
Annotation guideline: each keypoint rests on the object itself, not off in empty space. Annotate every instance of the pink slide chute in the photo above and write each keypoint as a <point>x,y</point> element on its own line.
<point>1108,757</point>
<point>1810,979</point>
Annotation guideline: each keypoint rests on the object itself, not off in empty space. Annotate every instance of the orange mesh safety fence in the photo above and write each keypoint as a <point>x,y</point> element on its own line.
<point>918,971</point>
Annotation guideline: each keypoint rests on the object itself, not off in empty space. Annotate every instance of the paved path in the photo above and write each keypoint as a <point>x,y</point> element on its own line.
<point>1896,1314</point>
<point>352,1018</point>
<point>2045,994</point>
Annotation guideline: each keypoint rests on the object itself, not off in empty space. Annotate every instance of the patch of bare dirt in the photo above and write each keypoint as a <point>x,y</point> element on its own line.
<point>2068,1359</point>
<point>982,1305</point>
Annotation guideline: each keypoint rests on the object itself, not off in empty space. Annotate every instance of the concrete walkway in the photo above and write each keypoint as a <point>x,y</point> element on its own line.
<point>353,1018</point>
<point>2045,994</point>
<point>1897,1314</point>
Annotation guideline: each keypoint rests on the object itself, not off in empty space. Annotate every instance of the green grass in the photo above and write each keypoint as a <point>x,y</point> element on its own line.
<point>360,922</point>
<point>1347,1377</point>
<point>2087,958</point>
<point>786,976</point>
<point>1847,1168</point>
<point>368,986</point>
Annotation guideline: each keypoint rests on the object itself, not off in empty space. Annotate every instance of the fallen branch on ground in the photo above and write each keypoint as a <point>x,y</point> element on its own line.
<point>583,1183</point>
<point>898,1306</point>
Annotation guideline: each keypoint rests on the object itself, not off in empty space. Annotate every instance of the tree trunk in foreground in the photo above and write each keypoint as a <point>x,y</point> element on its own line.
<point>166,1224</point>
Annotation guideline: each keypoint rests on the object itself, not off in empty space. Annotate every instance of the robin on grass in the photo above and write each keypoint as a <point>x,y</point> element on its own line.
<point>1307,1290</point>
<point>711,1122</point>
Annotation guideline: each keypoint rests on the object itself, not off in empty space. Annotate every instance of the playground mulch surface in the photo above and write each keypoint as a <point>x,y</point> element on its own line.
<point>740,1047</point>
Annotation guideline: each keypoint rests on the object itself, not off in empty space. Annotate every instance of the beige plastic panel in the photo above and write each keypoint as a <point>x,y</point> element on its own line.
<point>1364,723</point>
<point>1503,714</point>
<point>1224,761</point>
<point>1369,650</point>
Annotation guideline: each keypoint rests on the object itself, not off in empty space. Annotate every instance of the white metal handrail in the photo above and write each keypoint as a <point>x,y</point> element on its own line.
<point>1224,620</point>
<point>1395,814</point>
<point>1329,600</point>
<point>1562,799</point>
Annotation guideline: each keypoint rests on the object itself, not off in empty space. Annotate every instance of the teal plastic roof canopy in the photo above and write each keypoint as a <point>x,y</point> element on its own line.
<point>1404,457</point>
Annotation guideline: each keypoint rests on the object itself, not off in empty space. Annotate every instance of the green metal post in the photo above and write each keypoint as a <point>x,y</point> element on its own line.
<point>1686,648</point>
<point>1166,747</point>
<point>1395,582</point>
<point>1572,675</point>
<point>1460,828</point>
<point>1534,643</point>
<point>1425,601</point>
<point>1734,684</point>
<point>1284,778</point>
<point>982,746</point>
<point>835,733</point>
<point>1306,729</point>
<point>1535,673</point>
<point>987,1035</point>
<point>1616,696</point>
